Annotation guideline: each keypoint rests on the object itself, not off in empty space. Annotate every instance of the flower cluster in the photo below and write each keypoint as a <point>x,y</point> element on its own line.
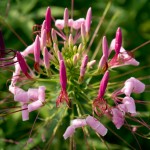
<point>60,56</point>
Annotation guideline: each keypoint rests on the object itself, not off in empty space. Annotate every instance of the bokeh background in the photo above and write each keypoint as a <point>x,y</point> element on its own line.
<point>17,18</point>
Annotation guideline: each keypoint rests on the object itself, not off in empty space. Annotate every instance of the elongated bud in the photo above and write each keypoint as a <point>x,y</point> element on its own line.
<point>70,40</point>
<point>88,20</point>
<point>41,93</point>
<point>80,48</point>
<point>25,112</point>
<point>118,41</point>
<point>105,47</point>
<point>83,65</point>
<point>63,76</point>
<point>48,19</point>
<point>37,49</point>
<point>23,64</point>
<point>54,36</point>
<point>102,63</point>
<point>46,58</point>
<point>60,57</point>
<point>91,63</point>
<point>66,17</point>
<point>43,39</point>
<point>103,85</point>
<point>43,25</point>
<point>83,33</point>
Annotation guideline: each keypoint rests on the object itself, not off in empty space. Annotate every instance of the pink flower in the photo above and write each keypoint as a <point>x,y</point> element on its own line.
<point>133,85</point>
<point>117,117</point>
<point>69,132</point>
<point>96,125</point>
<point>77,23</point>
<point>41,93</point>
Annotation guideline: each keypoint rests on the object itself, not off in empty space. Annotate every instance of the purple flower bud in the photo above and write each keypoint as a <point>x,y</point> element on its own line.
<point>88,20</point>
<point>105,47</point>
<point>25,112</point>
<point>66,17</point>
<point>103,85</point>
<point>63,77</point>
<point>41,93</point>
<point>23,64</point>
<point>48,19</point>
<point>46,58</point>
<point>96,125</point>
<point>34,105</point>
<point>118,41</point>
<point>37,49</point>
<point>69,132</point>
<point>83,65</point>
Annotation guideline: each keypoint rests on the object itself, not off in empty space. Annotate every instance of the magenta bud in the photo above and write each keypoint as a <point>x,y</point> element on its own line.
<point>103,85</point>
<point>37,49</point>
<point>118,41</point>
<point>43,25</point>
<point>23,64</point>
<point>83,65</point>
<point>102,63</point>
<point>63,76</point>
<point>66,17</point>
<point>88,19</point>
<point>46,58</point>
<point>105,47</point>
<point>34,105</point>
<point>48,19</point>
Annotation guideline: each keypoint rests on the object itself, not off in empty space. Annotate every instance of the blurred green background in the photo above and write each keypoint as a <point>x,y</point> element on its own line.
<point>17,18</point>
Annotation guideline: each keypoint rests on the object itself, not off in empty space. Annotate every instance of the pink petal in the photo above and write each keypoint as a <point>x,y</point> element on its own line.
<point>59,24</point>
<point>118,118</point>
<point>33,94</point>
<point>77,23</point>
<point>130,104</point>
<point>78,123</point>
<point>41,92</point>
<point>25,113</point>
<point>34,105</point>
<point>69,132</point>
<point>96,125</point>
